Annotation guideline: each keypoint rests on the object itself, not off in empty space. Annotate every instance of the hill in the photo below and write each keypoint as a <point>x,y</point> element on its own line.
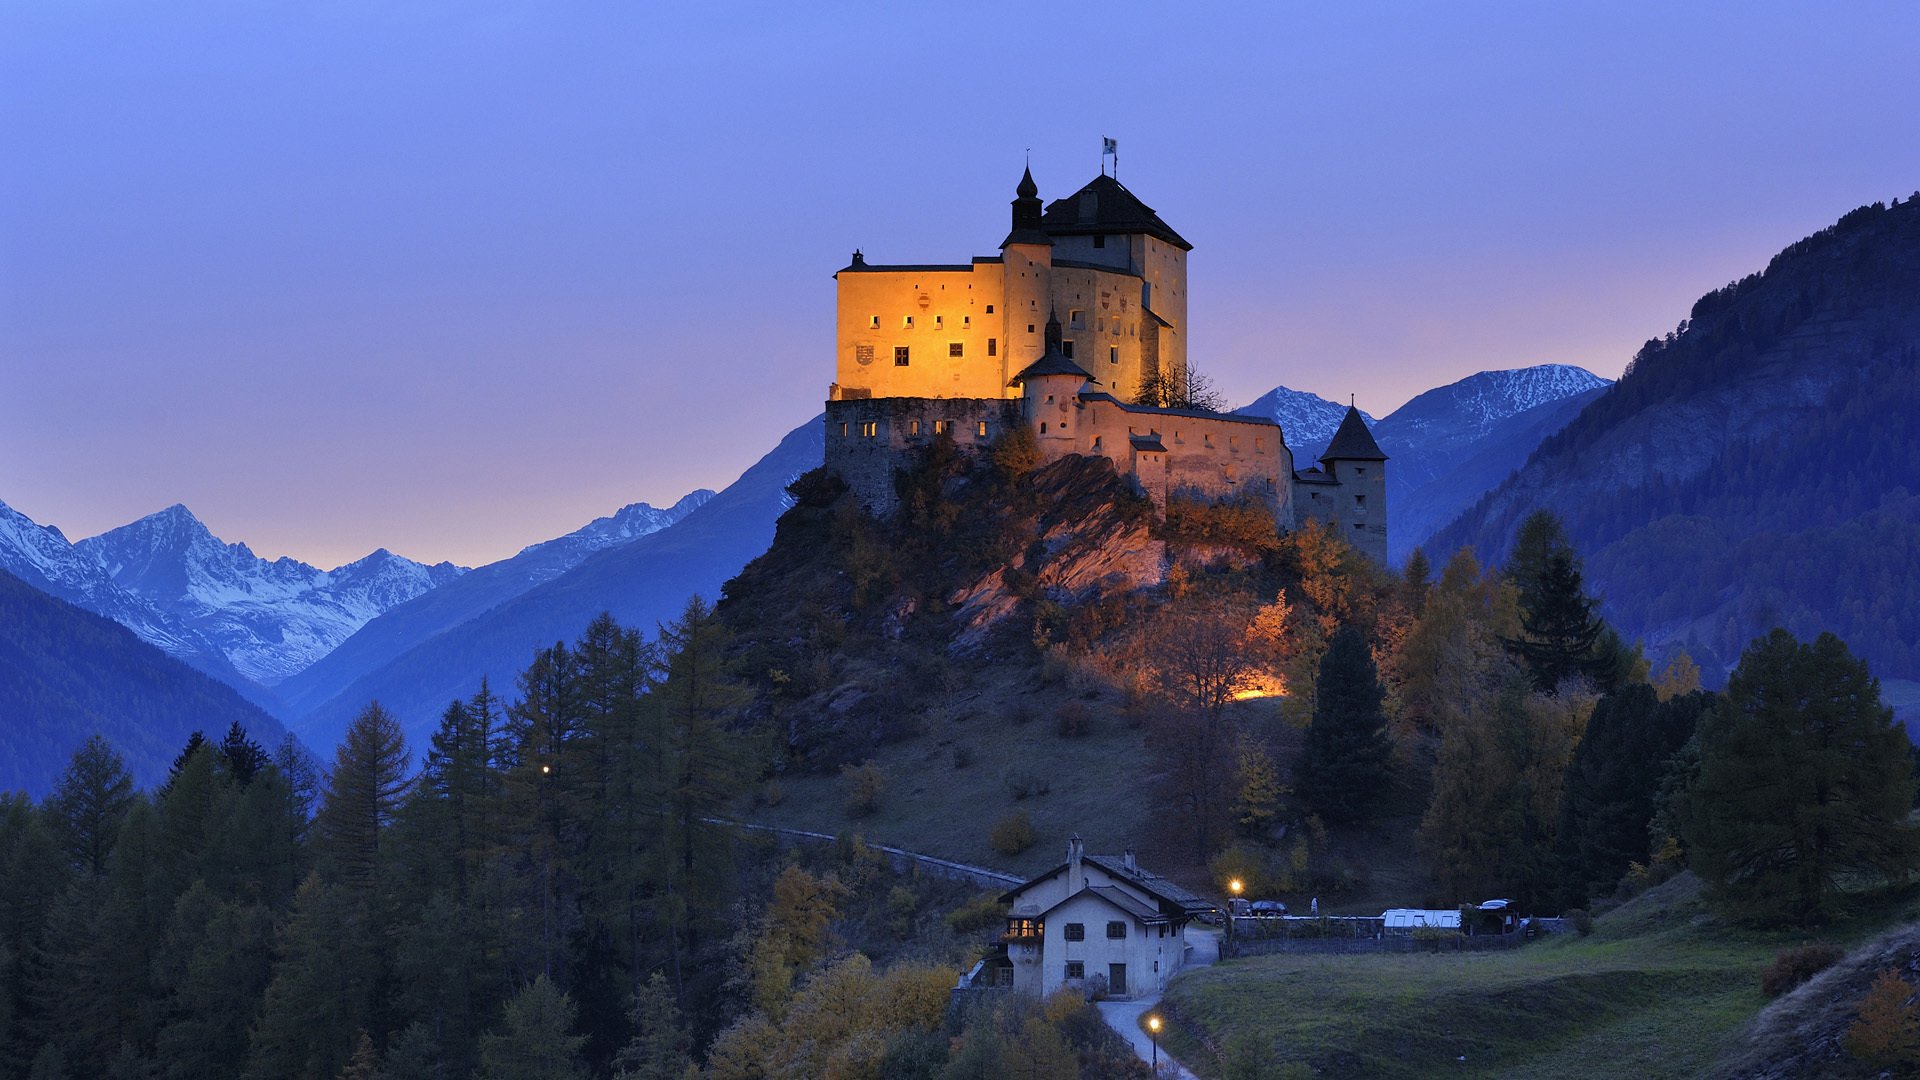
<point>66,673</point>
<point>1756,467</point>
<point>643,583</point>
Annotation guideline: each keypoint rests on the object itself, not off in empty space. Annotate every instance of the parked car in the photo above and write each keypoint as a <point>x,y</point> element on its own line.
<point>1268,909</point>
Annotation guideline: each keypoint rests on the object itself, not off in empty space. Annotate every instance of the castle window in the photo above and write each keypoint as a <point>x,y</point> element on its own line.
<point>873,322</point>
<point>1076,969</point>
<point>869,429</point>
<point>1099,240</point>
<point>843,431</point>
<point>1066,349</point>
<point>1233,443</point>
<point>989,309</point>
<point>1314,494</point>
<point>1360,501</point>
<point>1096,442</point>
<point>1113,354</point>
<point>1043,427</point>
<point>906,322</point>
<point>993,346</point>
<point>939,322</point>
<point>1077,319</point>
<point>899,356</point>
<point>945,427</point>
<point>1360,470</point>
<point>913,427</point>
<point>983,429</point>
<point>1076,931</point>
<point>1357,525</point>
<point>955,348</point>
<point>1029,328</point>
<point>966,322</point>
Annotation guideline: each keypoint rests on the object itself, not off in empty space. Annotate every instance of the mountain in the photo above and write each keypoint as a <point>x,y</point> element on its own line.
<point>1307,420</point>
<point>642,583</point>
<point>407,625</point>
<point>1453,443</point>
<point>67,673</point>
<point>1758,466</point>
<point>269,618</point>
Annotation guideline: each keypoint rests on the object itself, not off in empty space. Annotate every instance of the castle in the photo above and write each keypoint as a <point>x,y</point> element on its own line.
<point>970,350</point>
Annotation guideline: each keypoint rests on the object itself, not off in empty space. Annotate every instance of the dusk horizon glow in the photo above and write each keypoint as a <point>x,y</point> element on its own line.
<point>456,281</point>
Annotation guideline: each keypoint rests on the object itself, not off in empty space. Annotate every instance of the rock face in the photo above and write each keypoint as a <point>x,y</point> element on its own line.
<point>1091,539</point>
<point>1756,467</point>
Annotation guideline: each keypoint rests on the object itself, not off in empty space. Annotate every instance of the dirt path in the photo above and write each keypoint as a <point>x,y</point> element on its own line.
<point>1125,1016</point>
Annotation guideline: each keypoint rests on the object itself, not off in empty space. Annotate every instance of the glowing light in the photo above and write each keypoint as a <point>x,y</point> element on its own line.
<point>1154,1023</point>
<point>1261,686</point>
<point>545,769</point>
<point>1235,886</point>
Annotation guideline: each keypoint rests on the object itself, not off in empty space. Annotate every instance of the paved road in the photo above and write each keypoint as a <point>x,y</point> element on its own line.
<point>1124,1016</point>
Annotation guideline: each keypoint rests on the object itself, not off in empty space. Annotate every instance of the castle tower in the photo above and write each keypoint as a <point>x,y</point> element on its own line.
<point>1354,462</point>
<point>1049,391</point>
<point>1026,257</point>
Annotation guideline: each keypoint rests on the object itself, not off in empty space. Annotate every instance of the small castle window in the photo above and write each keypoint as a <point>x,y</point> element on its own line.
<point>1360,501</point>
<point>989,309</point>
<point>913,427</point>
<point>906,322</point>
<point>1096,442</point>
<point>843,431</point>
<point>1357,525</point>
<point>1360,470</point>
<point>1066,349</point>
<point>1029,328</point>
<point>1099,240</point>
<point>899,356</point>
<point>966,322</point>
<point>955,348</point>
<point>1043,427</point>
<point>993,346</point>
<point>943,427</point>
<point>939,322</point>
<point>1113,354</point>
<point>873,322</point>
<point>983,429</point>
<point>1077,319</point>
<point>869,429</point>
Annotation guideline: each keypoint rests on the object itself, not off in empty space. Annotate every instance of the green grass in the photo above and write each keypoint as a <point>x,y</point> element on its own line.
<point>1661,989</point>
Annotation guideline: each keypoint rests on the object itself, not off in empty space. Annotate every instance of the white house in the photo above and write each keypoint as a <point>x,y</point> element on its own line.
<point>1098,918</point>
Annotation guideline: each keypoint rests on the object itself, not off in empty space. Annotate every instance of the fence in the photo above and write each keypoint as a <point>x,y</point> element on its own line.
<point>899,859</point>
<point>1237,946</point>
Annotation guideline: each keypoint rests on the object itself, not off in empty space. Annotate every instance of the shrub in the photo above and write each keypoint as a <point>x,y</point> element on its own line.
<point>1023,783</point>
<point>1886,1031</point>
<point>1581,920</point>
<point>983,912</point>
<point>1075,720</point>
<point>865,783</point>
<point>773,794</point>
<point>1794,966</point>
<point>1013,834</point>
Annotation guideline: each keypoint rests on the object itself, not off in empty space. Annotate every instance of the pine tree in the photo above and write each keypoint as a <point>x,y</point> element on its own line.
<point>1804,783</point>
<point>1343,767</point>
<point>88,804</point>
<point>660,1048</point>
<point>242,757</point>
<point>369,778</point>
<point>323,990</point>
<point>1559,631</point>
<point>535,1040</point>
<point>1416,579</point>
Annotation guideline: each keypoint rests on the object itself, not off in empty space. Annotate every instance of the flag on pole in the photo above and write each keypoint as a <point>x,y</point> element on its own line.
<point>1109,146</point>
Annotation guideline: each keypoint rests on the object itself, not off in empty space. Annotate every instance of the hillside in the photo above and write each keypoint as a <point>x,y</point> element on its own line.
<point>1757,466</point>
<point>643,583</point>
<point>66,673</point>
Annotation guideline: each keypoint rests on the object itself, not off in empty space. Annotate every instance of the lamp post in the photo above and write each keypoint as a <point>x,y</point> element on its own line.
<point>1153,1026</point>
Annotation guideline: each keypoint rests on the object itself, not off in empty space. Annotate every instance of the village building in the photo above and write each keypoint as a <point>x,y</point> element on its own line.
<point>1086,303</point>
<point>1096,922</point>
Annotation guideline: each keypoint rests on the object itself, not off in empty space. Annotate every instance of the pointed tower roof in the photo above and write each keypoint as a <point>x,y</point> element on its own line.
<point>1054,361</point>
<point>1105,206</point>
<point>1353,442</point>
<point>1027,189</point>
<point>1026,214</point>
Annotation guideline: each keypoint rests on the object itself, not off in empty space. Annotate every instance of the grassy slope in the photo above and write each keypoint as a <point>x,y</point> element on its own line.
<point>1659,990</point>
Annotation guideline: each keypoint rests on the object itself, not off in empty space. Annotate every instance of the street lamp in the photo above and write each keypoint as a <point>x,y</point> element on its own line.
<point>1234,887</point>
<point>1153,1025</point>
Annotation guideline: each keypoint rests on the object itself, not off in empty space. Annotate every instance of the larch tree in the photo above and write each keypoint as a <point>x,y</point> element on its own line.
<point>369,780</point>
<point>89,802</point>
<point>535,1039</point>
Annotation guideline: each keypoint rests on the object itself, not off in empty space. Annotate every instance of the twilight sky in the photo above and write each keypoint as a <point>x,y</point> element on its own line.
<point>454,278</point>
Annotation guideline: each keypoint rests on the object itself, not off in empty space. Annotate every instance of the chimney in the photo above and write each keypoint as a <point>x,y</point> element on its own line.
<point>1076,877</point>
<point>1133,866</point>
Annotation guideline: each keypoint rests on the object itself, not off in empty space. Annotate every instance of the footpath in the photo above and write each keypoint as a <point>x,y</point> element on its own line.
<point>1125,1016</point>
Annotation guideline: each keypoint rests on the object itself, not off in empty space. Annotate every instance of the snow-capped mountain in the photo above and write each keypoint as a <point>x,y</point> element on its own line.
<point>1307,421</point>
<point>1430,432</point>
<point>41,556</point>
<point>269,618</point>
<point>407,625</point>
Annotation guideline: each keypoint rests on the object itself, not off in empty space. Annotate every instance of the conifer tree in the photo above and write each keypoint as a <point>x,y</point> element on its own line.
<point>660,1048</point>
<point>369,778</point>
<point>1804,783</point>
<point>1417,580</point>
<point>1343,767</point>
<point>242,757</point>
<point>535,1039</point>
<point>1559,630</point>
<point>88,804</point>
<point>323,988</point>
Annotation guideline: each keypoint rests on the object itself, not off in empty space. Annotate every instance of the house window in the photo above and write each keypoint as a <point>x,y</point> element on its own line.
<point>1076,931</point>
<point>899,356</point>
<point>993,346</point>
<point>955,348</point>
<point>869,429</point>
<point>1024,929</point>
<point>1116,931</point>
<point>1113,354</point>
<point>983,429</point>
<point>906,322</point>
<point>1076,969</point>
<point>989,309</point>
<point>1099,240</point>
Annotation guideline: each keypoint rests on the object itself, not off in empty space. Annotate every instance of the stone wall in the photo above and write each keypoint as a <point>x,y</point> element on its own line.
<point>867,440</point>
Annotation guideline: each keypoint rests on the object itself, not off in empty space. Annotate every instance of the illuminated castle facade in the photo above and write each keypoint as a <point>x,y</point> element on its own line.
<point>1086,301</point>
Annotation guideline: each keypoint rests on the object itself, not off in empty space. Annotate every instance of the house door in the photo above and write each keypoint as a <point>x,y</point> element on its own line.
<point>1117,979</point>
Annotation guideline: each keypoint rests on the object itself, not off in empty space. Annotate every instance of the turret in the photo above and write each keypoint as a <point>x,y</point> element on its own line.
<point>1355,462</point>
<point>1026,257</point>
<point>1050,391</point>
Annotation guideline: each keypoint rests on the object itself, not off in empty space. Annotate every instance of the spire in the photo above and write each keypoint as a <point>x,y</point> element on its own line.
<point>1053,332</point>
<point>1353,442</point>
<point>1026,206</point>
<point>1027,189</point>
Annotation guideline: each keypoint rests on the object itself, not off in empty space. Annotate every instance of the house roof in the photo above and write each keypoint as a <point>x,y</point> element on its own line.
<point>1105,206</point>
<point>1173,899</point>
<point>1116,897</point>
<point>1353,442</point>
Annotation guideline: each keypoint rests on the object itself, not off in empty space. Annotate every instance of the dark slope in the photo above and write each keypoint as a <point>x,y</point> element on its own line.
<point>1758,466</point>
<point>642,583</point>
<point>67,673</point>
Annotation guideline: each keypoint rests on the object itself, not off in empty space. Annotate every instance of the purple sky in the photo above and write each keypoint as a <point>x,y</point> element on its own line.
<point>456,278</point>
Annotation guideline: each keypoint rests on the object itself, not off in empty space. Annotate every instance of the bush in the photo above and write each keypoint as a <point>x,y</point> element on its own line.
<point>1794,966</point>
<point>773,794</point>
<point>865,783</point>
<point>1024,783</point>
<point>1887,1031</point>
<point>983,912</point>
<point>1013,834</point>
<point>1076,720</point>
<point>1581,919</point>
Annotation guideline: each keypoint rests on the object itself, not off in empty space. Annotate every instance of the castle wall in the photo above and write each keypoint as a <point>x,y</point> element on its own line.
<point>931,312</point>
<point>868,439</point>
<point>1355,504</point>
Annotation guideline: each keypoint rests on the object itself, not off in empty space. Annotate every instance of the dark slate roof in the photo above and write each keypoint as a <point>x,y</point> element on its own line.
<point>1054,362</point>
<point>1151,882</point>
<point>1149,443</point>
<point>1027,236</point>
<point>927,268</point>
<point>1104,206</point>
<point>1314,476</point>
<point>1148,410</point>
<point>1113,896</point>
<point>1353,442</point>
